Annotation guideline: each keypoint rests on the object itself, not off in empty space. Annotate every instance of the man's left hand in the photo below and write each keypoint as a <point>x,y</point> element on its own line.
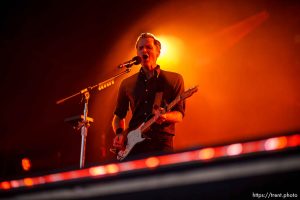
<point>162,117</point>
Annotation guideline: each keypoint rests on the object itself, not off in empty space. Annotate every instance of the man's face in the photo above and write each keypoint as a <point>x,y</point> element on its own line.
<point>148,52</point>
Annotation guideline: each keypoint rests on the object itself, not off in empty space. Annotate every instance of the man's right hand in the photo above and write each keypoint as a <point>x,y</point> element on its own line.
<point>119,141</point>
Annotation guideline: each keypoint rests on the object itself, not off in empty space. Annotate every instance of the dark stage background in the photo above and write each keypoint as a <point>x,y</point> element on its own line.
<point>247,70</point>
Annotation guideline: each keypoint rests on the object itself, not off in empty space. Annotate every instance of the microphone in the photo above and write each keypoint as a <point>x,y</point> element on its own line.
<point>134,61</point>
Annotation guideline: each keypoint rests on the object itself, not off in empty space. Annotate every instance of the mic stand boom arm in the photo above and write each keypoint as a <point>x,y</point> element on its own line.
<point>86,94</point>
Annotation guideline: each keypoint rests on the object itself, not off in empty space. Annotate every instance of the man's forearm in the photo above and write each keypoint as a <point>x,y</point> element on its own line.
<point>118,124</point>
<point>173,116</point>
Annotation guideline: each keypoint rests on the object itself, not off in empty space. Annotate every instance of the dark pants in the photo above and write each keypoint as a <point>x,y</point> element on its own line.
<point>158,143</point>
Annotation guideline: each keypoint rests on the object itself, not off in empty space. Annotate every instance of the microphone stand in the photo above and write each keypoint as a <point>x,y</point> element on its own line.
<point>85,124</point>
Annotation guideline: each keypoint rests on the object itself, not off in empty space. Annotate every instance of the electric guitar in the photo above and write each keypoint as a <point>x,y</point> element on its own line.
<point>137,136</point>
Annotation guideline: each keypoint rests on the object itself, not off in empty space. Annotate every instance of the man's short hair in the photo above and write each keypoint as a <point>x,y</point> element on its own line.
<point>148,35</point>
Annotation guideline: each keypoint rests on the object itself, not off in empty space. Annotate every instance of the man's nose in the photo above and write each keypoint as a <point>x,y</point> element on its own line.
<point>144,50</point>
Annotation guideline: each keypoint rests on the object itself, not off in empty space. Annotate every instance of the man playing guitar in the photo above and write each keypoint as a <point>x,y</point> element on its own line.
<point>146,93</point>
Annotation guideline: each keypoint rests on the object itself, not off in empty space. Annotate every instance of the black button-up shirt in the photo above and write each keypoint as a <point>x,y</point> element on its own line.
<point>138,93</point>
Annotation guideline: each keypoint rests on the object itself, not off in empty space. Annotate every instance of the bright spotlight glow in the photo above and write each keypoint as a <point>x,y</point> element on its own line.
<point>171,51</point>
<point>275,143</point>
<point>207,153</point>
<point>96,171</point>
<point>234,149</point>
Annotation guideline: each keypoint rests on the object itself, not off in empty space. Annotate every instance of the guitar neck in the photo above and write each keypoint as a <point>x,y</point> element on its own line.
<point>148,124</point>
<point>173,103</point>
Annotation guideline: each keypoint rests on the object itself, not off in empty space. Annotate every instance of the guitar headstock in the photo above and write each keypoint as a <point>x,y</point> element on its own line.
<point>189,92</point>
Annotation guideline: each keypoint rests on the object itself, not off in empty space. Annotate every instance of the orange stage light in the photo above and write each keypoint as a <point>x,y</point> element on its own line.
<point>28,182</point>
<point>26,164</point>
<point>5,185</point>
<point>96,171</point>
<point>206,153</point>
<point>152,162</point>
<point>112,168</point>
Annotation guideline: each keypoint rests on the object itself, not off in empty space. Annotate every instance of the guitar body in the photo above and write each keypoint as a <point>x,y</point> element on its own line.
<point>133,137</point>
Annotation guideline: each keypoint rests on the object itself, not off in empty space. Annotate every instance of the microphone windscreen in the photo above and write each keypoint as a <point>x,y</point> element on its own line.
<point>137,60</point>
